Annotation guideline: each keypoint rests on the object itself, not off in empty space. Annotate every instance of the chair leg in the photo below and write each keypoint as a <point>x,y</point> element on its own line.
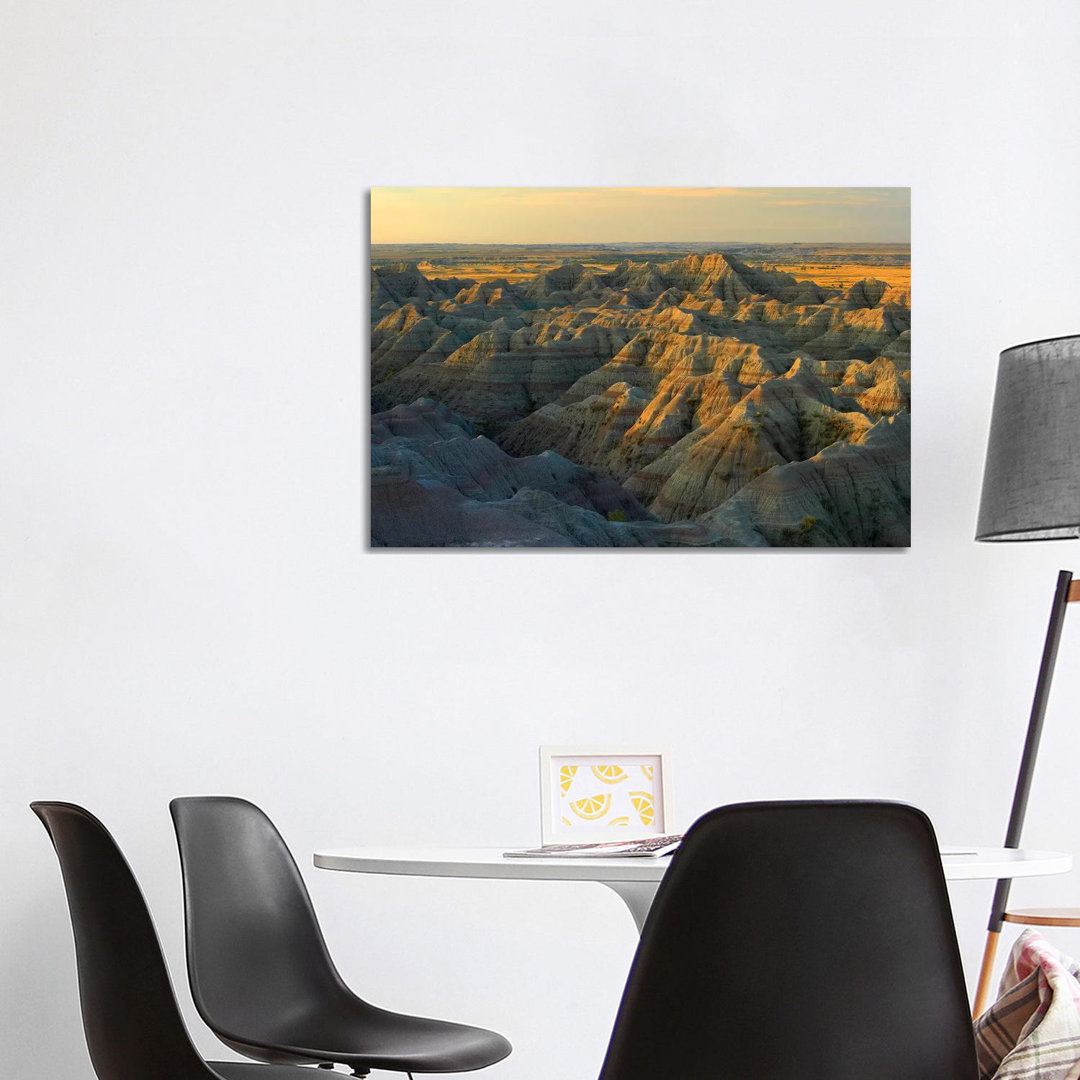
<point>983,990</point>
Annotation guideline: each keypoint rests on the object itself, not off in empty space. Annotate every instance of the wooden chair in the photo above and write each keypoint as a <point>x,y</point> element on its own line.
<point>1050,916</point>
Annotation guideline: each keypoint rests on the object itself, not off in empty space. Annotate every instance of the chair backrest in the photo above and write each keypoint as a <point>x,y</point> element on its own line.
<point>132,1022</point>
<point>255,952</point>
<point>798,941</point>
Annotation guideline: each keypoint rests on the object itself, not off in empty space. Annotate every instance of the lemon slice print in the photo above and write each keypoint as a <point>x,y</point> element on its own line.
<point>592,808</point>
<point>566,777</point>
<point>624,820</point>
<point>643,804</point>
<point>609,774</point>
<point>646,771</point>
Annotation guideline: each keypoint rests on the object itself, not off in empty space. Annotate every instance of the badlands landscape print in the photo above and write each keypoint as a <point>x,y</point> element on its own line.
<point>737,376</point>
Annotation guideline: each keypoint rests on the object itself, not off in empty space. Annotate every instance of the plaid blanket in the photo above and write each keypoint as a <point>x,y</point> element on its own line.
<point>1032,1031</point>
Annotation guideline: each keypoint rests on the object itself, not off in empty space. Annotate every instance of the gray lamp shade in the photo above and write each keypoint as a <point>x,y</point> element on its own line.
<point>1031,484</point>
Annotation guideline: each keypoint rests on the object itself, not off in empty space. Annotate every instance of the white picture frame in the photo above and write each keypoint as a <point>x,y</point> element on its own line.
<point>590,794</point>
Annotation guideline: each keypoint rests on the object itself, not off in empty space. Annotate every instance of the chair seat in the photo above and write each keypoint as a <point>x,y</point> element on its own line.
<point>365,1038</point>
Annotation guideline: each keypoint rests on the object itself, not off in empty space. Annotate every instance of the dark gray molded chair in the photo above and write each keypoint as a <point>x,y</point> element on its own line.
<point>798,941</point>
<point>260,972</point>
<point>133,1026</point>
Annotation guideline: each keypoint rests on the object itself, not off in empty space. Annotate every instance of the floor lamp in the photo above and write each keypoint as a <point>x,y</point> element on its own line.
<point>1031,491</point>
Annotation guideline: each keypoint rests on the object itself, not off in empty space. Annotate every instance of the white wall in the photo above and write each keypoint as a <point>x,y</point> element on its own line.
<point>186,601</point>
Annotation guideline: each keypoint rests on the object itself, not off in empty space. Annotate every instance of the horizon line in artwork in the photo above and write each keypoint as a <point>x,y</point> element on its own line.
<point>673,393</point>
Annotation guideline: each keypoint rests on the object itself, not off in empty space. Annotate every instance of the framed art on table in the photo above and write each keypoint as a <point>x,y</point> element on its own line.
<point>595,793</point>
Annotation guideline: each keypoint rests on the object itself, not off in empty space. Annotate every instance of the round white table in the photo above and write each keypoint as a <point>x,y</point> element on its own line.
<point>636,879</point>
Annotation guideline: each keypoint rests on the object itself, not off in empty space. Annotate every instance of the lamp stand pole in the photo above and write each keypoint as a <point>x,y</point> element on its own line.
<point>1064,593</point>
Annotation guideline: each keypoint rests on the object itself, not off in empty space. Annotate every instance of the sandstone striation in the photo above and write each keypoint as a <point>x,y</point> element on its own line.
<point>853,494</point>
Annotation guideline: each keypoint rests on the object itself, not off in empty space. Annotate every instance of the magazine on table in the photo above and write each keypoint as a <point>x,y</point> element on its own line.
<point>649,847</point>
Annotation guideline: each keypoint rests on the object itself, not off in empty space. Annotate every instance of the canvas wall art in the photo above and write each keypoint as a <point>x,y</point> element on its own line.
<point>640,367</point>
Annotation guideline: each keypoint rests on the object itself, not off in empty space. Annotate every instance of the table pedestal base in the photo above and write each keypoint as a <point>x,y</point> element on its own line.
<point>637,896</point>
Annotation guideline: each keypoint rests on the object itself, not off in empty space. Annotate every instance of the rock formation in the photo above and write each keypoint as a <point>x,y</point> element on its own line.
<point>700,401</point>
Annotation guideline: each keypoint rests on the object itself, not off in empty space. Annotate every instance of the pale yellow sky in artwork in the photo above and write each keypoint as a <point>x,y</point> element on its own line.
<point>494,215</point>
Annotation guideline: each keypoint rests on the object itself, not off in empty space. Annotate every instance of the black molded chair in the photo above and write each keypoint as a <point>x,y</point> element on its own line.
<point>133,1026</point>
<point>798,941</point>
<point>259,969</point>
